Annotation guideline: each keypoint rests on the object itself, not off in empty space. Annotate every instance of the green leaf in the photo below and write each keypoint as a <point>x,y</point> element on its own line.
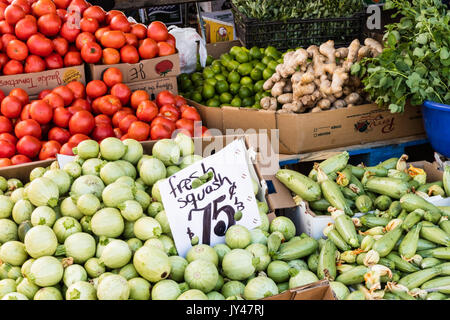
<point>394,108</point>
<point>444,54</point>
<point>422,38</point>
<point>355,68</point>
<point>418,52</point>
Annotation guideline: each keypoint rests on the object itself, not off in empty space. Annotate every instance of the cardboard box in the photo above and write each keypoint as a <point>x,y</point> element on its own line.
<point>218,48</point>
<point>343,127</point>
<point>320,290</point>
<point>307,221</point>
<point>219,26</point>
<point>144,70</point>
<point>34,83</point>
<point>153,87</point>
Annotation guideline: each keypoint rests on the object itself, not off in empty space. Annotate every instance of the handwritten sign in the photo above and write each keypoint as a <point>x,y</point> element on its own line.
<point>203,200</point>
<point>63,159</point>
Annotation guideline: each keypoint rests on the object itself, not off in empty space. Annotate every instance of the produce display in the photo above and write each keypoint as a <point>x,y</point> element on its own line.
<point>96,229</point>
<point>45,34</point>
<point>274,10</point>
<point>63,117</point>
<point>387,240</point>
<point>414,66</point>
<point>318,78</point>
<point>236,79</point>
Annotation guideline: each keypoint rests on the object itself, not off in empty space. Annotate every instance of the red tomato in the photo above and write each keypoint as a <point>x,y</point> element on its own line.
<point>84,38</point>
<point>83,103</point>
<point>62,4</point>
<point>54,61</point>
<point>91,52</point>
<point>25,114</point>
<point>61,117</point>
<point>112,76</point>
<point>34,63</point>
<point>99,33</point>
<point>13,13</point>
<point>5,162</point>
<point>118,133</point>
<point>49,150</point>
<point>95,12</point>
<point>191,113</point>
<point>102,119</point>
<point>157,31</point>
<point>59,134</point>
<point>3,58</point>
<point>25,28</point>
<point>113,39</point>
<point>65,93</point>
<point>43,93</point>
<point>62,14</point>
<point>19,159</point>
<point>12,67</point>
<point>40,45</point>
<point>17,50</point>
<point>139,131</point>
<point>5,124</point>
<point>96,88</point>
<point>102,131</point>
<point>109,105</point>
<point>78,6</point>
<point>67,148</point>
<point>165,49</point>
<point>111,14</point>
<point>6,37</point>
<point>8,137</point>
<point>28,146</point>
<point>41,111</point>
<point>2,96</point>
<point>170,125</point>
<point>77,138</point>
<point>69,31</point>
<point>126,122</point>
<point>95,105</point>
<point>138,96</point>
<point>61,46</point>
<point>11,107</point>
<point>28,127</point>
<point>42,7</point>
<point>54,100</point>
<point>132,40</point>
<point>170,112</point>
<point>72,59</point>
<point>159,131</point>
<point>78,89</point>
<point>89,25</point>
<point>122,92</point>
<point>81,122</point>
<point>118,116</point>
<point>129,54</point>
<point>186,124</point>
<point>22,3</point>
<point>172,41</point>
<point>7,149</point>
<point>148,49</point>
<point>147,111</point>
<point>20,94</point>
<point>49,24</point>
<point>110,56</point>
<point>139,30</point>
<point>180,101</point>
<point>120,22</point>
<point>165,97</point>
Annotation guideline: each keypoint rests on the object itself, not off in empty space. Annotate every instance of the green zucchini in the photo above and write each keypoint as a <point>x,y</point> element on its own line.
<point>296,249</point>
<point>382,202</point>
<point>386,243</point>
<point>364,203</point>
<point>434,234</point>
<point>394,188</point>
<point>400,264</point>
<point>411,202</point>
<point>388,164</point>
<point>326,267</point>
<point>371,221</point>
<point>408,247</point>
<point>416,279</point>
<point>353,276</point>
<point>300,184</point>
<point>332,164</point>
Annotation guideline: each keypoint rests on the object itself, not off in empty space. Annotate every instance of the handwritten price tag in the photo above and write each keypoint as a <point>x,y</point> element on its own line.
<point>63,159</point>
<point>203,200</point>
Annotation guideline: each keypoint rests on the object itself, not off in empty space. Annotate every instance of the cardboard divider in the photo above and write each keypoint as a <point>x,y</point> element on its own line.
<point>34,83</point>
<point>248,119</point>
<point>211,117</point>
<point>149,69</point>
<point>320,290</point>
<point>216,49</point>
<point>155,86</point>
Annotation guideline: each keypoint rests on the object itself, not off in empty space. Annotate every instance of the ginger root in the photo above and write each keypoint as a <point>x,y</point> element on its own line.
<point>268,103</point>
<point>285,98</point>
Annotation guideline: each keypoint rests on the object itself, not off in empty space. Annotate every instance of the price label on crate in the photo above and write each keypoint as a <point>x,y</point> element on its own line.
<point>63,159</point>
<point>203,200</point>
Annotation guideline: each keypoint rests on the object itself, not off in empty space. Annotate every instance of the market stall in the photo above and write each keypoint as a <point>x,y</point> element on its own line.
<point>290,153</point>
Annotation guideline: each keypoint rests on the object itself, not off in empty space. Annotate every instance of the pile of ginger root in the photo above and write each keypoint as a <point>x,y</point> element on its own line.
<point>318,78</point>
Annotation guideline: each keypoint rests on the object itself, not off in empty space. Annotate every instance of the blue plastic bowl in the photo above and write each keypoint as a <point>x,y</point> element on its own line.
<point>436,117</point>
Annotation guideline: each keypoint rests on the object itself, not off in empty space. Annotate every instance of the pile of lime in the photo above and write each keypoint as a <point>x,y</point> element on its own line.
<point>236,79</point>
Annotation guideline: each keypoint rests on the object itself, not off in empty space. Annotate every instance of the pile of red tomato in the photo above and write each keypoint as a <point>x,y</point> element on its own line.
<point>63,117</point>
<point>50,34</point>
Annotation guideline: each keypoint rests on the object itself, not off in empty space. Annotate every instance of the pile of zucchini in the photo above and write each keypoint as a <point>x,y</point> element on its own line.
<point>387,240</point>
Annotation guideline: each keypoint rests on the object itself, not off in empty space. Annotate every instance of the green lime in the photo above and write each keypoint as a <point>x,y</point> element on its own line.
<point>236,102</point>
<point>248,101</point>
<point>261,66</point>
<point>208,91</point>
<point>208,73</point>
<point>266,94</point>
<point>211,82</point>
<point>246,81</point>
<point>272,65</point>
<point>225,57</point>
<point>244,69</point>
<point>255,53</point>
<point>226,97</point>
<point>216,63</point>
<point>198,67</point>
<point>272,52</point>
<point>219,77</point>
<point>199,88</point>
<point>258,96</point>
<point>266,60</point>
<point>245,92</point>
<point>235,50</point>
<point>232,65</point>
<point>256,74</point>
<point>221,86</point>
<point>225,72</point>
<point>245,50</point>
<point>216,69</point>
<point>257,105</point>
<point>267,73</point>
<point>242,57</point>
<point>234,77</point>
<point>196,76</point>
<point>186,85</point>
<point>209,60</point>
<point>258,87</point>
<point>197,97</point>
<point>280,61</point>
<point>183,76</point>
<point>199,83</point>
<point>213,103</point>
<point>234,88</point>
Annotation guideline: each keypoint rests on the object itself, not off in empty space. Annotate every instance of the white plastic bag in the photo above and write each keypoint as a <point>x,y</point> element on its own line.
<point>188,42</point>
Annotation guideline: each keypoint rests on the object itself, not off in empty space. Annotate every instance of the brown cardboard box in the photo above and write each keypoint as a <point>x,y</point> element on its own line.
<point>148,69</point>
<point>155,86</point>
<point>211,117</point>
<point>34,83</point>
<point>343,127</point>
<point>216,49</point>
<point>319,290</point>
